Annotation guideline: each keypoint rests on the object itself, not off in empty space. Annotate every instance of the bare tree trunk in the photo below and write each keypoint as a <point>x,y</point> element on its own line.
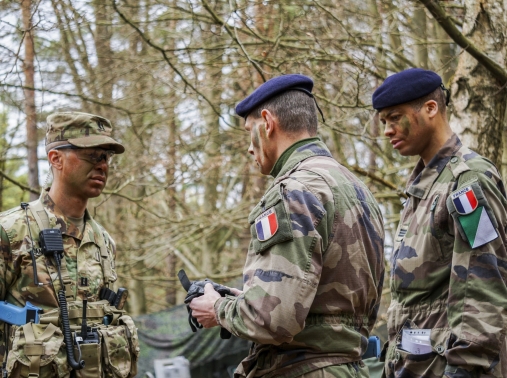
<point>379,58</point>
<point>171,261</point>
<point>389,11</point>
<point>137,300</point>
<point>445,54</point>
<point>421,38</point>
<point>102,38</point>
<point>31,118</point>
<point>210,253</point>
<point>479,100</point>
<point>503,168</point>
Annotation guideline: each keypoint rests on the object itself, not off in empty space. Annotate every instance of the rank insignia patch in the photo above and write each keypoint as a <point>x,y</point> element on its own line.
<point>266,224</point>
<point>465,200</point>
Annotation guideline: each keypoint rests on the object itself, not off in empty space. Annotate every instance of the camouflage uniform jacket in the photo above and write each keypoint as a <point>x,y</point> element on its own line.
<point>314,271</point>
<point>82,260</point>
<point>449,268</point>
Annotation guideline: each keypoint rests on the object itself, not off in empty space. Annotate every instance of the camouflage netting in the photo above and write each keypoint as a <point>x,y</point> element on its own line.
<point>167,334</point>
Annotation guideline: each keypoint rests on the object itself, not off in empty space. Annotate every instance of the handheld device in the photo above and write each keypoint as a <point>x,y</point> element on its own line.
<point>373,349</point>
<point>15,315</point>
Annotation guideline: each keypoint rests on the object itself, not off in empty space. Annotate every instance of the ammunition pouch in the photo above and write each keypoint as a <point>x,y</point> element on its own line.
<point>113,350</point>
<point>37,350</point>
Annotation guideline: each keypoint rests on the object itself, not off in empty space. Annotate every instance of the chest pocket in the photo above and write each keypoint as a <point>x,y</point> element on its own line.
<point>269,222</point>
<point>441,239</point>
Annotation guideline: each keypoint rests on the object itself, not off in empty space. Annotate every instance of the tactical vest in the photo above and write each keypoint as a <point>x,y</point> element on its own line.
<point>38,350</point>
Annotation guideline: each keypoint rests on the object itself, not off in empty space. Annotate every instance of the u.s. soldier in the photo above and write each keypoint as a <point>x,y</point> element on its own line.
<point>79,149</point>
<point>314,270</point>
<point>449,266</point>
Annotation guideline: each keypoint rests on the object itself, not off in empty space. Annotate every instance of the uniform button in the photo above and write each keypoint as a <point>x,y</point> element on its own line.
<point>440,348</point>
<point>454,159</point>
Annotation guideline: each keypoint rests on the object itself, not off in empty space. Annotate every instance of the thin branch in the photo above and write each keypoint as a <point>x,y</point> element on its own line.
<point>233,36</point>
<point>17,183</point>
<point>378,179</point>
<point>84,98</point>
<point>167,60</point>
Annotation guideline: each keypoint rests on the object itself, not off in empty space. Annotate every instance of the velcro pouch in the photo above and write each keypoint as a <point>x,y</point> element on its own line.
<point>133,340</point>
<point>91,354</point>
<point>37,350</point>
<point>116,351</point>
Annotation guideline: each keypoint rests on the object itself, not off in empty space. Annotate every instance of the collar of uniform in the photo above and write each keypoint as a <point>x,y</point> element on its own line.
<point>66,227</point>
<point>422,178</point>
<point>301,150</point>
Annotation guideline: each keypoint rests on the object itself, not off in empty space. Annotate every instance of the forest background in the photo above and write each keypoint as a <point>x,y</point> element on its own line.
<point>168,74</point>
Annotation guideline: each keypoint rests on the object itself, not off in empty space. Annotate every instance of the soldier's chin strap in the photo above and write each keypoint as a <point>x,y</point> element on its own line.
<point>447,94</point>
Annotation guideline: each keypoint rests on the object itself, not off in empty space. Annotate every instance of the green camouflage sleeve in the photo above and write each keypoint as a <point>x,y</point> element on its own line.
<point>111,248</point>
<point>110,243</point>
<point>282,272</point>
<point>5,279</point>
<point>477,291</point>
<point>5,262</point>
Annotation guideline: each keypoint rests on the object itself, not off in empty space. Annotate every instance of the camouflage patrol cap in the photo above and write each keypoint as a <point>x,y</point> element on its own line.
<point>80,130</point>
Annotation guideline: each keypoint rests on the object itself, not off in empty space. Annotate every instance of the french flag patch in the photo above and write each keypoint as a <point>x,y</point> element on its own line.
<point>266,224</point>
<point>465,200</point>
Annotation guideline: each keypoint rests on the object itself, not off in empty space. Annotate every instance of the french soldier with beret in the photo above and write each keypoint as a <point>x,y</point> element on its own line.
<point>314,269</point>
<point>449,264</point>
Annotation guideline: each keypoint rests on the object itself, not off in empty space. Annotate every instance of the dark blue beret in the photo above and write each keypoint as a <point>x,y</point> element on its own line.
<point>405,86</point>
<point>274,87</point>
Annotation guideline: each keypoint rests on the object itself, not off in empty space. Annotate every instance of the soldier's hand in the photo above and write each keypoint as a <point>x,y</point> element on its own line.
<point>235,291</point>
<point>203,307</point>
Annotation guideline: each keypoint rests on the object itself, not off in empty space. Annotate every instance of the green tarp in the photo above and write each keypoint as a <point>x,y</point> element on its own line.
<point>167,334</point>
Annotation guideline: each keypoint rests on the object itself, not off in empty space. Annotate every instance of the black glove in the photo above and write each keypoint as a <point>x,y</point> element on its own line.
<point>196,289</point>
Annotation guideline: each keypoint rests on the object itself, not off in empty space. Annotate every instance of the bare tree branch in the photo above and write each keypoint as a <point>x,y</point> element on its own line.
<point>67,94</point>
<point>449,26</point>
<point>17,183</point>
<point>233,36</point>
<point>378,179</point>
<point>168,61</point>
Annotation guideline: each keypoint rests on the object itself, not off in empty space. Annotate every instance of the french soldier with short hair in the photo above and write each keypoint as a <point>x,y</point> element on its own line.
<point>449,266</point>
<point>315,266</point>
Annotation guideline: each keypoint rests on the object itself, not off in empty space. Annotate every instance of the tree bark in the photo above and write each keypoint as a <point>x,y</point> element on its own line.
<point>31,118</point>
<point>210,252</point>
<point>445,54</point>
<point>420,38</point>
<point>102,39</point>
<point>479,99</point>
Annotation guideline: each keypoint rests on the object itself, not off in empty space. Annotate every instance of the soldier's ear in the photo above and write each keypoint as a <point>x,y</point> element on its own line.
<point>431,108</point>
<point>270,122</point>
<point>55,159</point>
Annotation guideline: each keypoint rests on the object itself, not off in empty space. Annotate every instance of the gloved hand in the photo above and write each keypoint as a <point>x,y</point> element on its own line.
<point>196,289</point>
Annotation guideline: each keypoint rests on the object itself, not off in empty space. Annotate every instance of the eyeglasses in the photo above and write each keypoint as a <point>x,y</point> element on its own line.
<point>92,155</point>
